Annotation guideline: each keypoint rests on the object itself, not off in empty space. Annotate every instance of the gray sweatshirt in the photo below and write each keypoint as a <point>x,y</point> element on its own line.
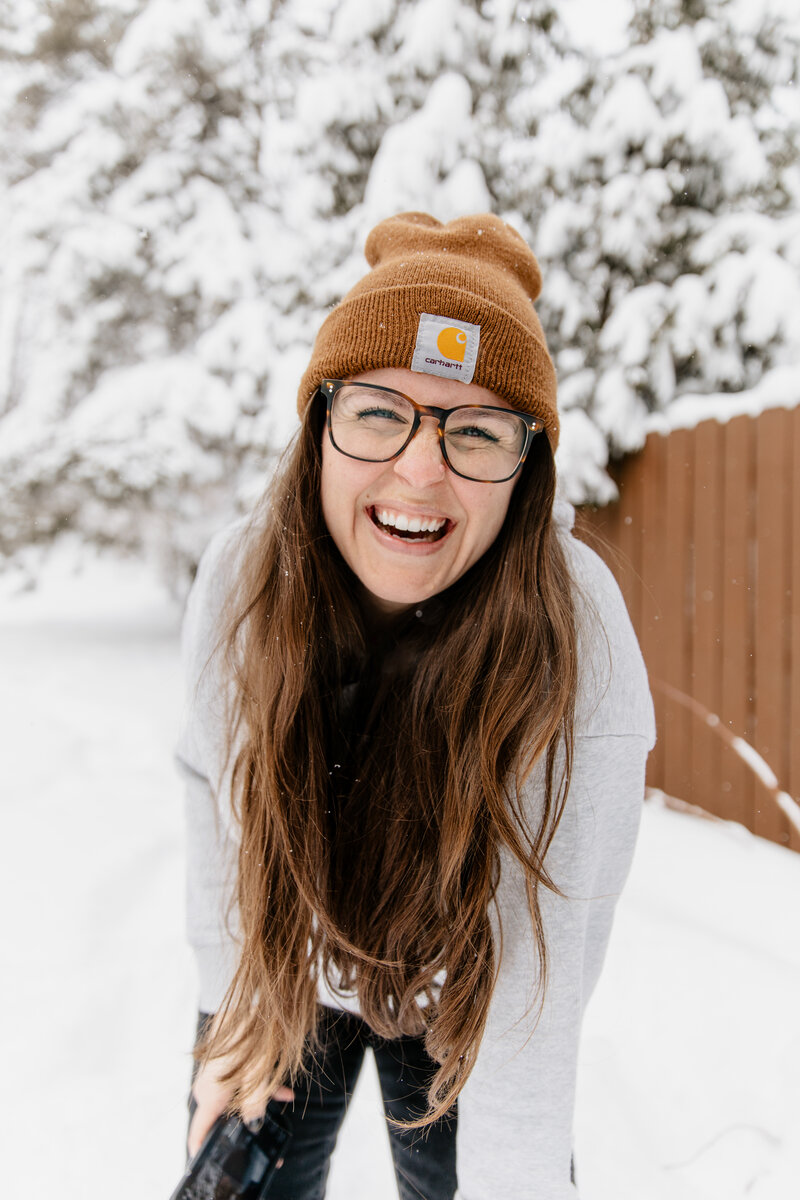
<point>515,1112</point>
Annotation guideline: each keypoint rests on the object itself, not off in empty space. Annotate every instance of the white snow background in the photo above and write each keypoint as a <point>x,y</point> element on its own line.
<point>689,1083</point>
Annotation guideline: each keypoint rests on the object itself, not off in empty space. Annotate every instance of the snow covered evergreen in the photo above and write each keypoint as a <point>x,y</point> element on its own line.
<point>673,233</point>
<point>187,185</point>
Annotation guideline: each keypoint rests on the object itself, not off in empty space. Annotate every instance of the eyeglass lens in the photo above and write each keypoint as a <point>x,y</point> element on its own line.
<point>482,443</point>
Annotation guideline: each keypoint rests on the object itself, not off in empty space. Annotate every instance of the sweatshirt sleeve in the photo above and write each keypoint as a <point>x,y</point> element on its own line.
<point>515,1113</point>
<point>211,837</point>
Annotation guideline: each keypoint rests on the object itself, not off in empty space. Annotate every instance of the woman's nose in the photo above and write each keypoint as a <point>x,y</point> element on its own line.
<point>421,463</point>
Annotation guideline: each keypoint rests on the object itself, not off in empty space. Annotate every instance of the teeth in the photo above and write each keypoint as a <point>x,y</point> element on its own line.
<point>410,524</point>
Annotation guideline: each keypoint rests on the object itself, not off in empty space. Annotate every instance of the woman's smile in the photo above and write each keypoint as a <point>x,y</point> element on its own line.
<point>411,527</point>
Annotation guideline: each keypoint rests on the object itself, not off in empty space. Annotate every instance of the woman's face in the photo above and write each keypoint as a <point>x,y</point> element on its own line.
<point>358,497</point>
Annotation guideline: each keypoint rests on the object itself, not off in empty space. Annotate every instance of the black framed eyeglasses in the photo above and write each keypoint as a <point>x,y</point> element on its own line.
<point>478,441</point>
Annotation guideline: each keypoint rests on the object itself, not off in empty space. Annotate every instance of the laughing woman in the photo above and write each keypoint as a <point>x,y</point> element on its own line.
<point>416,743</point>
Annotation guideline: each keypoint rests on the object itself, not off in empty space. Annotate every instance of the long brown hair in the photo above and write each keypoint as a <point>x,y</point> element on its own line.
<point>380,870</point>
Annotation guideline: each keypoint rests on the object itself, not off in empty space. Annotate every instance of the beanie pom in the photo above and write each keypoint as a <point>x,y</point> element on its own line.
<point>483,238</point>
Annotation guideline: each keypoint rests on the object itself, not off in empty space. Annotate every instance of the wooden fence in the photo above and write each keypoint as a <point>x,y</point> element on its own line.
<point>705,544</point>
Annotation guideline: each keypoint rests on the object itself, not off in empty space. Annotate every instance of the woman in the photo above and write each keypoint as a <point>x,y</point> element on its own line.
<point>416,746</point>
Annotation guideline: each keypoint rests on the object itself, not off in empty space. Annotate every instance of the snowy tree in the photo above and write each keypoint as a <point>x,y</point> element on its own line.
<point>667,222</point>
<point>188,189</point>
<point>136,151</point>
<point>188,185</point>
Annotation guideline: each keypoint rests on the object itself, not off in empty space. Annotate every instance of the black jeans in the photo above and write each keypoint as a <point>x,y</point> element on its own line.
<point>424,1160</point>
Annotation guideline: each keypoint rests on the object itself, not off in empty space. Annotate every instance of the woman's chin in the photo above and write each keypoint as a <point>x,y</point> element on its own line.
<point>391,601</point>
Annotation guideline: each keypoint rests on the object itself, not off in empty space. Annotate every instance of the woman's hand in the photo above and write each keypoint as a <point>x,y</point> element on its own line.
<point>213,1097</point>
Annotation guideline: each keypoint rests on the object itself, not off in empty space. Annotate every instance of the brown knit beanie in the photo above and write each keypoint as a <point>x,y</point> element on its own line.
<point>453,300</point>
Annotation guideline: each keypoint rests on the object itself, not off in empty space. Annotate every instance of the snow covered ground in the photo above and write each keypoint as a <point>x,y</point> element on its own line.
<point>690,1068</point>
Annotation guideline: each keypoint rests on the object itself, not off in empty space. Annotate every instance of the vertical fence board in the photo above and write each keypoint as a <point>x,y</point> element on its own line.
<point>737,779</point>
<point>650,635</point>
<point>674,587</point>
<point>629,536</point>
<point>771,632</point>
<point>793,664</point>
<point>706,650</point>
<point>599,528</point>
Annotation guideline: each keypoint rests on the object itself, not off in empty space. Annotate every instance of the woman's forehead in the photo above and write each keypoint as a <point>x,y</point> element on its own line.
<point>431,389</point>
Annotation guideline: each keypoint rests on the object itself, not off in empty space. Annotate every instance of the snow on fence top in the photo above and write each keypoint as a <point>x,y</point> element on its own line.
<point>779,389</point>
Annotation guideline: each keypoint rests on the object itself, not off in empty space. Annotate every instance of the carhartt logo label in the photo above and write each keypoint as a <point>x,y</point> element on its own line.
<point>452,343</point>
<point>446,347</point>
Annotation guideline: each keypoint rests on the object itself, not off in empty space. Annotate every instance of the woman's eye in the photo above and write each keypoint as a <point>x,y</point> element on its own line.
<point>476,433</point>
<point>381,414</point>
